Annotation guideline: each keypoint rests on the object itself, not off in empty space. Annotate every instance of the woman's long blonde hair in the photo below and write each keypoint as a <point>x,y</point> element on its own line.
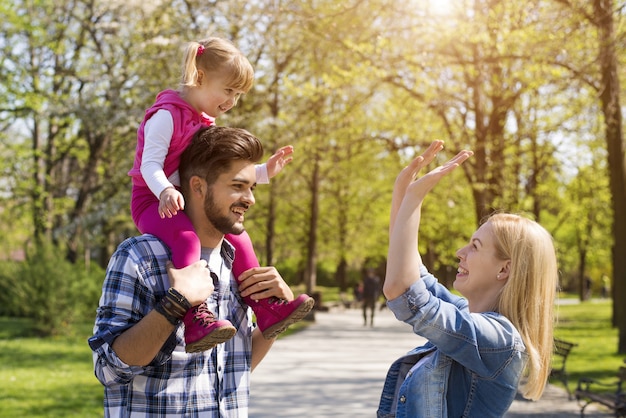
<point>527,299</point>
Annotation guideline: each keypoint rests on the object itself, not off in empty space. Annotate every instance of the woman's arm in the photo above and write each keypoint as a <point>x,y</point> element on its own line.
<point>403,260</point>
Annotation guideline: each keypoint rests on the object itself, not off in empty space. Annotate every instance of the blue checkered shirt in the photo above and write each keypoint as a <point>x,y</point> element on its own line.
<point>214,383</point>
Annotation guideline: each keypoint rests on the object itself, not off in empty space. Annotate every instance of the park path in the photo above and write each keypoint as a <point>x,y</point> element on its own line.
<point>336,368</point>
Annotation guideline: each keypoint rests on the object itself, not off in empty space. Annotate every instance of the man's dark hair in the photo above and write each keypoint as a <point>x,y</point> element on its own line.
<point>212,151</point>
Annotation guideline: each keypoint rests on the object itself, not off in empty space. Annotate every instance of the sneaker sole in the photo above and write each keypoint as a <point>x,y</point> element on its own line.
<point>296,316</point>
<point>218,336</point>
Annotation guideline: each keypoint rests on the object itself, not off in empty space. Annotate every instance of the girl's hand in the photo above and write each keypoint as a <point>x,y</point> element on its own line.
<point>170,202</point>
<point>279,160</point>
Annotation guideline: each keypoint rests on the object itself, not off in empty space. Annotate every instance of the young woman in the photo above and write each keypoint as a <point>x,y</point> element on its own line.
<point>479,345</point>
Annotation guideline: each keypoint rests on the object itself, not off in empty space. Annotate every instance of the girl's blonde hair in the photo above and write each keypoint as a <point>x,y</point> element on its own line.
<point>527,299</point>
<point>217,55</point>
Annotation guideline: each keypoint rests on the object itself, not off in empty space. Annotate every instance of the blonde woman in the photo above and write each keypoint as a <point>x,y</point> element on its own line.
<point>479,345</point>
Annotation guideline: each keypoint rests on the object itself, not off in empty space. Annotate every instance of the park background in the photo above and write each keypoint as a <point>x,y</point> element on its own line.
<point>358,87</point>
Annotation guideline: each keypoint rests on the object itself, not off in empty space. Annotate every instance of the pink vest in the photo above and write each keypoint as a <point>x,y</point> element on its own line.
<point>187,121</point>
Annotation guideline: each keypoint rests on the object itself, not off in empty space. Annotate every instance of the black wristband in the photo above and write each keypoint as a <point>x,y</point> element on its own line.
<point>178,298</point>
<point>161,308</point>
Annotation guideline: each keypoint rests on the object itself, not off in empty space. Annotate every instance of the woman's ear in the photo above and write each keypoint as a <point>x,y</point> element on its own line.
<point>503,274</point>
<point>200,77</point>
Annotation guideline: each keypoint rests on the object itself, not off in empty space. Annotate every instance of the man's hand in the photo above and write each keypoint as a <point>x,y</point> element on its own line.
<point>263,282</point>
<point>193,282</point>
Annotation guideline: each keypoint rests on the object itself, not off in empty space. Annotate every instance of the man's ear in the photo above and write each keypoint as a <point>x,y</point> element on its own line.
<point>197,186</point>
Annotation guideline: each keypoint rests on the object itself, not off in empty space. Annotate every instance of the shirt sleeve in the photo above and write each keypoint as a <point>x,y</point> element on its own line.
<point>158,133</point>
<point>444,319</point>
<point>126,299</point>
<point>262,177</point>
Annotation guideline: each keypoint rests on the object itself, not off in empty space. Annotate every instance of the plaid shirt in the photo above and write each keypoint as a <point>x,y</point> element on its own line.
<point>214,383</point>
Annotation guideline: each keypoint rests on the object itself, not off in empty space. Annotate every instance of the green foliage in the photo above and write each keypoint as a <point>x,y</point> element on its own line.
<point>51,291</point>
<point>358,87</point>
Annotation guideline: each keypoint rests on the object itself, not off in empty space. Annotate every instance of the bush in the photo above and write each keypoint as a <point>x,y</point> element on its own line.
<point>50,290</point>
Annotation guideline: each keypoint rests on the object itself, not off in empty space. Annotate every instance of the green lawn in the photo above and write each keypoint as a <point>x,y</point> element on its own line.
<point>53,377</point>
<point>49,377</point>
<point>589,325</point>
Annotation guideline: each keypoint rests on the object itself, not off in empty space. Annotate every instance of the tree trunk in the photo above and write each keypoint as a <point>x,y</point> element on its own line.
<point>341,274</point>
<point>311,268</point>
<point>582,277</point>
<point>609,96</point>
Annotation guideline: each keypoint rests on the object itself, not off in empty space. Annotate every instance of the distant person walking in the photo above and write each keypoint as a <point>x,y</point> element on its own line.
<point>371,292</point>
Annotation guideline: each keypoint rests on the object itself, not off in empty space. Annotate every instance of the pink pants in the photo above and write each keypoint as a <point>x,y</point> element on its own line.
<point>179,234</point>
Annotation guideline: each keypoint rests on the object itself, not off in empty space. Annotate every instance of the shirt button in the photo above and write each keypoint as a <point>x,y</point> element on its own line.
<point>402,399</point>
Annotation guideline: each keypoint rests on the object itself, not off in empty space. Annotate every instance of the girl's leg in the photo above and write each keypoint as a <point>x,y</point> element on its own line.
<point>176,232</point>
<point>202,330</point>
<point>245,257</point>
<point>273,315</point>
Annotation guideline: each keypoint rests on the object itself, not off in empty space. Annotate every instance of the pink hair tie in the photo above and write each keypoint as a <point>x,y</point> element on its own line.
<point>200,50</point>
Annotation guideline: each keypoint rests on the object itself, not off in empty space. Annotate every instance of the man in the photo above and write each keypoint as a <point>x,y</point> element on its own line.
<point>138,343</point>
<point>371,293</point>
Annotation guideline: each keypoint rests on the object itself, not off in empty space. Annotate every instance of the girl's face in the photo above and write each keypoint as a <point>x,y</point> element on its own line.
<point>479,267</point>
<point>212,96</point>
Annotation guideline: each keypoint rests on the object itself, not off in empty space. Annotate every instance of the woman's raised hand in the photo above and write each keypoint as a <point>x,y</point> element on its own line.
<point>420,186</point>
<point>407,180</point>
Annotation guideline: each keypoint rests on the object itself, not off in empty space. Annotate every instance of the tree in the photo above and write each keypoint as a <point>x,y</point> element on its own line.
<point>601,14</point>
<point>611,109</point>
<point>71,95</point>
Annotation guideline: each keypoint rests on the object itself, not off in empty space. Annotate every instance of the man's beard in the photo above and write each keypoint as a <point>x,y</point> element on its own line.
<point>222,223</point>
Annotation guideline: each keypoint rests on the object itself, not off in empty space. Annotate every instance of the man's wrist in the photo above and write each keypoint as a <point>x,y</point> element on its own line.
<point>161,308</point>
<point>176,297</point>
<point>173,306</point>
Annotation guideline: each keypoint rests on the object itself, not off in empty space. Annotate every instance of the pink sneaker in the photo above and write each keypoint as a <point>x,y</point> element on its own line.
<point>203,331</point>
<point>274,315</point>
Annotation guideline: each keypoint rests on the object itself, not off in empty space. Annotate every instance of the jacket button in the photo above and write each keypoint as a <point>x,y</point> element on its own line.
<point>402,399</point>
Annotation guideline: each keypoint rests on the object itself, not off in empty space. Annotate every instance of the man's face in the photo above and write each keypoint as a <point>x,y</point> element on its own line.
<point>230,197</point>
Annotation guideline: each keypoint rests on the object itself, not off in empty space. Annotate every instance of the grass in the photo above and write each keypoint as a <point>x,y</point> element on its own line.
<point>53,377</point>
<point>46,377</point>
<point>589,325</point>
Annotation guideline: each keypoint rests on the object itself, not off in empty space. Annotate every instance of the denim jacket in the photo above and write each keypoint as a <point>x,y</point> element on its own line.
<point>475,360</point>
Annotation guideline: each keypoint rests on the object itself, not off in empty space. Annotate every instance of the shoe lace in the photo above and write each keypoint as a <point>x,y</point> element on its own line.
<point>277,301</point>
<point>203,315</point>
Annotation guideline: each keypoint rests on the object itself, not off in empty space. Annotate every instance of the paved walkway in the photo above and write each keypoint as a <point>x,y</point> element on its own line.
<point>336,368</point>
